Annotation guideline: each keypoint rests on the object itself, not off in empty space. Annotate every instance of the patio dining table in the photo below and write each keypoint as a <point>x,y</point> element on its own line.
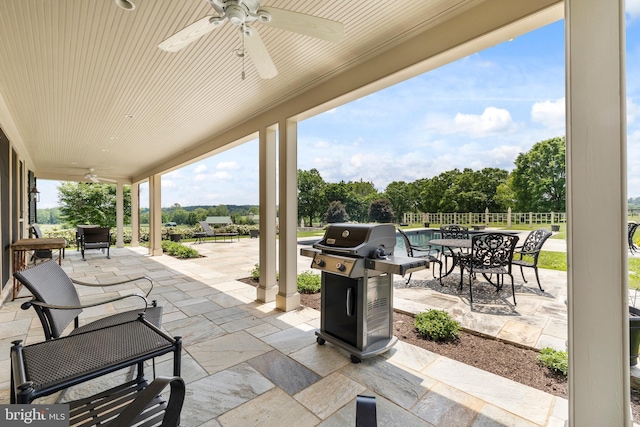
<point>451,244</point>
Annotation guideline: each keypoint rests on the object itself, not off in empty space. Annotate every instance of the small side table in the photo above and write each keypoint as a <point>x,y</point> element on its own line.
<point>199,237</point>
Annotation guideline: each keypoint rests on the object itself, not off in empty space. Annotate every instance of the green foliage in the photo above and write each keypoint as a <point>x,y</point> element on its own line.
<point>380,211</point>
<point>90,203</point>
<point>555,360</point>
<point>539,177</point>
<point>397,192</point>
<point>310,194</point>
<point>255,273</point>
<point>336,213</point>
<point>179,250</point>
<point>437,325</point>
<point>308,282</point>
<point>552,260</point>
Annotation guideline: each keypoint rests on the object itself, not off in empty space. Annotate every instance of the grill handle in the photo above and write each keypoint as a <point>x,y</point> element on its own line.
<point>349,302</point>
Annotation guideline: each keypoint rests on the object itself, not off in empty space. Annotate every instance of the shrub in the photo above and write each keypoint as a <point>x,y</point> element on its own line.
<point>437,325</point>
<point>179,250</point>
<point>255,273</point>
<point>308,283</point>
<point>555,360</point>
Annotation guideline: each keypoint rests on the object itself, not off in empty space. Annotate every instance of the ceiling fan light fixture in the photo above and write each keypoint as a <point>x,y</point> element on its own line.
<point>125,4</point>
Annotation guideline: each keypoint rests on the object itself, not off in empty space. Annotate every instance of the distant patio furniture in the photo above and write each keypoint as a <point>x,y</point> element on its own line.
<point>491,253</point>
<point>95,238</point>
<point>175,237</point>
<point>40,254</point>
<point>426,252</point>
<point>254,234</point>
<point>453,231</point>
<point>80,232</point>
<point>531,248</point>
<point>209,232</point>
<point>57,303</point>
<point>631,230</point>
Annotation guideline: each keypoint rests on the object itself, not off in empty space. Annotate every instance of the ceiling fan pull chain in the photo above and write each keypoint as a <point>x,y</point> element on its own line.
<point>244,53</point>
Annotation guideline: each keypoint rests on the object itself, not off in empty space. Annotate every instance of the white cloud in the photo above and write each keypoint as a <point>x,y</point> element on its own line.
<point>633,8</point>
<point>550,114</point>
<point>200,168</point>
<point>230,166</point>
<point>222,176</point>
<point>168,183</point>
<point>492,121</point>
<point>633,111</point>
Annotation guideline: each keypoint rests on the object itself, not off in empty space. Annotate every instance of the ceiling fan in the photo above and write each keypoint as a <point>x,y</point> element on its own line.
<point>95,178</point>
<point>243,12</point>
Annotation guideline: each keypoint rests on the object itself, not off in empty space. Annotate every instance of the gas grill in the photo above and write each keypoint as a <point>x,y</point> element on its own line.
<point>357,265</point>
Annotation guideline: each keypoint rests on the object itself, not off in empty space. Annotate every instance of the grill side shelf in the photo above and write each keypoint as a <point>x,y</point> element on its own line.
<point>397,265</point>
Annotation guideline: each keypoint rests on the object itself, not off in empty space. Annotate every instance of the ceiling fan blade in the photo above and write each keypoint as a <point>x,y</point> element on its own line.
<point>308,25</point>
<point>106,179</point>
<point>94,178</point>
<point>190,34</point>
<point>258,53</point>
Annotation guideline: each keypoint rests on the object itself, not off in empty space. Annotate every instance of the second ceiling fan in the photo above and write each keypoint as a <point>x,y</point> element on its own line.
<point>243,12</point>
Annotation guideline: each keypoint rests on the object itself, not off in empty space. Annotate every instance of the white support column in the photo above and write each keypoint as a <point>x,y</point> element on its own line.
<point>268,287</point>
<point>155,216</point>
<point>135,215</point>
<point>288,297</point>
<point>119,215</point>
<point>596,188</point>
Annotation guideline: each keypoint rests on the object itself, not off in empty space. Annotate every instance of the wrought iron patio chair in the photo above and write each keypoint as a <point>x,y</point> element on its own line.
<point>631,230</point>
<point>491,254</point>
<point>531,249</point>
<point>57,303</point>
<point>40,254</point>
<point>452,231</point>
<point>95,238</point>
<point>426,252</point>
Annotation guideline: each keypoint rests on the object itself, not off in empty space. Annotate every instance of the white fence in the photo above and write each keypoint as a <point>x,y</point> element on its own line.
<point>487,218</point>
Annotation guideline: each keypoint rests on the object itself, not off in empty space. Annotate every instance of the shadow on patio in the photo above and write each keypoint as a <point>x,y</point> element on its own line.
<point>246,363</point>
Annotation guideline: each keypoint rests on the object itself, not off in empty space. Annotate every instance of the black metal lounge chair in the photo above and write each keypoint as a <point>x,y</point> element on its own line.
<point>57,303</point>
<point>95,238</point>
<point>452,231</point>
<point>41,254</point>
<point>417,251</point>
<point>631,230</point>
<point>206,228</point>
<point>531,248</point>
<point>491,253</point>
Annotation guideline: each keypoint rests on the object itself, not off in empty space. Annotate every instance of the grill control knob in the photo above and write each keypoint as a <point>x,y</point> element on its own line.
<point>340,266</point>
<point>320,262</point>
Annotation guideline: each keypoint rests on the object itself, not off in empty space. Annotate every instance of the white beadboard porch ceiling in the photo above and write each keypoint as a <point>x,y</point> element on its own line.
<point>72,71</point>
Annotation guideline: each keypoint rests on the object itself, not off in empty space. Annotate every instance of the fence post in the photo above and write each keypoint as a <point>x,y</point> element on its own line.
<point>530,219</point>
<point>486,216</point>
<point>509,218</point>
<point>552,217</point>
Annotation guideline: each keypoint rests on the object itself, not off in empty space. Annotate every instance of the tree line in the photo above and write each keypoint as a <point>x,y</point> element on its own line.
<point>536,184</point>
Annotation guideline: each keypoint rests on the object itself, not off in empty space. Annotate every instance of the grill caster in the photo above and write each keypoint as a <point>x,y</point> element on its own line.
<point>320,341</point>
<point>355,359</point>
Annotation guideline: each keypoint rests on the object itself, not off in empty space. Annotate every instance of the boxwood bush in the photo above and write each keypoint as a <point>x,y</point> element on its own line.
<point>179,250</point>
<point>308,283</point>
<point>555,360</point>
<point>437,325</point>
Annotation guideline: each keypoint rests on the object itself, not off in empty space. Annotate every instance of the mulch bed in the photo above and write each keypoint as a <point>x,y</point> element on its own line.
<point>507,360</point>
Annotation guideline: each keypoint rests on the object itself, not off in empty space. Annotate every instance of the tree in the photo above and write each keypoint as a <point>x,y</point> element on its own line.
<point>336,213</point>
<point>90,203</point>
<point>310,194</point>
<point>539,177</point>
<point>380,211</point>
<point>397,193</point>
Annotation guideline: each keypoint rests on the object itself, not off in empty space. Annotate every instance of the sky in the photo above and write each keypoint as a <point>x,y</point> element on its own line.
<point>480,111</point>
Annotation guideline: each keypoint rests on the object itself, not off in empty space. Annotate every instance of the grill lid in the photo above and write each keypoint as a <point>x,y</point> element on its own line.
<point>362,240</point>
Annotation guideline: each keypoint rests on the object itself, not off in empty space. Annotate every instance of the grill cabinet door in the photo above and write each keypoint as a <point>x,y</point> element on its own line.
<point>341,307</point>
